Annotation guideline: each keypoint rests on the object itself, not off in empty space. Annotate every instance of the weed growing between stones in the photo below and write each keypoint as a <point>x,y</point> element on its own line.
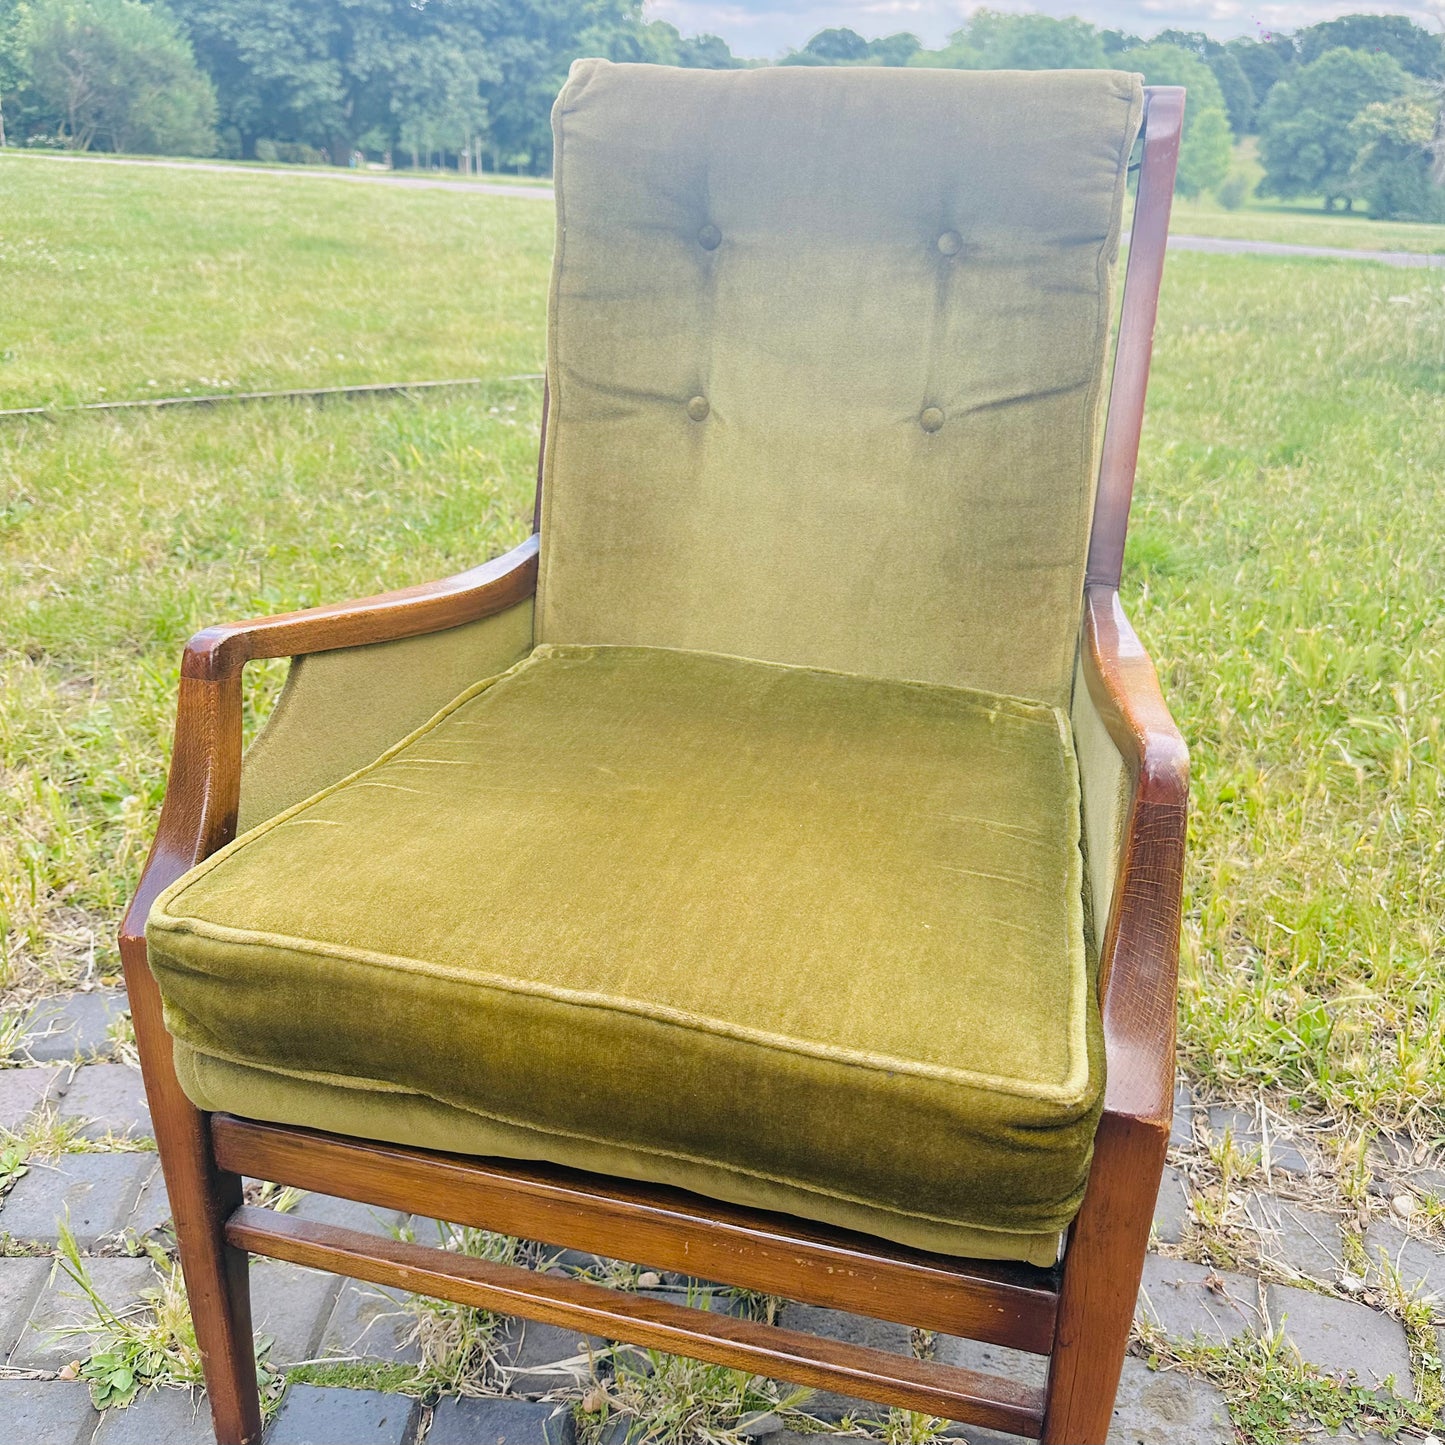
<point>1275,1398</point>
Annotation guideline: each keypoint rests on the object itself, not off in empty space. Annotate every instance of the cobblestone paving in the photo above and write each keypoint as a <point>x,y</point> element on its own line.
<point>1263,1252</point>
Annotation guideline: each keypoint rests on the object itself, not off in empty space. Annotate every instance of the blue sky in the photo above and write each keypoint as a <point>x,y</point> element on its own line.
<point>769,27</point>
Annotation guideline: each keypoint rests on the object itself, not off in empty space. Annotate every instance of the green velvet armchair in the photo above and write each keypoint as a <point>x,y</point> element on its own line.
<point>770,869</point>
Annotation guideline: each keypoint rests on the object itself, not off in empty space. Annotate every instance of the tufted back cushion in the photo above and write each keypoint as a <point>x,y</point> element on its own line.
<point>825,354</point>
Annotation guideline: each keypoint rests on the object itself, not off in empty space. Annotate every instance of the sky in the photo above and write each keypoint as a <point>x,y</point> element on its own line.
<point>768,28</point>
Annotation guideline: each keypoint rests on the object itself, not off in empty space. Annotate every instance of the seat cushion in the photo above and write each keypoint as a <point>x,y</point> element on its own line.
<point>810,933</point>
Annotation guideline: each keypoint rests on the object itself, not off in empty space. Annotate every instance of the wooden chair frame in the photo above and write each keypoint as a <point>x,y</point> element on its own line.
<point>1078,1313</point>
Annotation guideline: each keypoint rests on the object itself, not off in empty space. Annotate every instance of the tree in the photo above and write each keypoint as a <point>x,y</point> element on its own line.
<point>896,49</point>
<point>1416,50</point>
<point>706,52</point>
<point>1394,169</point>
<point>993,40</point>
<point>1234,86</point>
<point>1264,64</point>
<point>847,47</point>
<point>837,45</point>
<point>1116,42</point>
<point>1306,143</point>
<point>14,62</point>
<point>1204,149</point>
<point>119,74</point>
<point>327,72</point>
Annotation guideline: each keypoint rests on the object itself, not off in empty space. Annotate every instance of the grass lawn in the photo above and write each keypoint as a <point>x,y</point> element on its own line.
<point>1286,568</point>
<point>125,282</point>
<point>1297,225</point>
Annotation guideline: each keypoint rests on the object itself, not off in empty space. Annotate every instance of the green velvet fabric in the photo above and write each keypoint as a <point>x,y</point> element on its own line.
<point>1106,788</point>
<point>801,927</point>
<point>342,709</point>
<point>825,357</point>
<point>360,1110</point>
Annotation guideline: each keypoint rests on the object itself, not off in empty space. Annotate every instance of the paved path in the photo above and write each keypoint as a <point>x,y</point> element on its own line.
<point>1226,246</point>
<point>1297,1250</point>
<point>1220,245</point>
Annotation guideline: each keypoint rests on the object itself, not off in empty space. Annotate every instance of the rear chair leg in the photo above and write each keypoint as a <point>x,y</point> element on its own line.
<point>1102,1268</point>
<point>202,1198</point>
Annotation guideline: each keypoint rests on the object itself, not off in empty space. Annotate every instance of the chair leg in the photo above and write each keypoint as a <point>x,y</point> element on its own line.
<point>1103,1264</point>
<point>202,1197</point>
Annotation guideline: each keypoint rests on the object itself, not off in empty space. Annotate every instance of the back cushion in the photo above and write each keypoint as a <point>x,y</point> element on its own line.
<point>825,355</point>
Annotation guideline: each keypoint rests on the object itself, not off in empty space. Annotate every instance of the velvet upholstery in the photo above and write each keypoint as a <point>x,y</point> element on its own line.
<point>826,349</point>
<point>797,927</point>
<point>340,710</point>
<point>359,1110</point>
<point>1106,787</point>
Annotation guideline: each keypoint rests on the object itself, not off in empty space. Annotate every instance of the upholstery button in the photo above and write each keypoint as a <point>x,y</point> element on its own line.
<point>709,238</point>
<point>950,243</point>
<point>698,409</point>
<point>930,419</point>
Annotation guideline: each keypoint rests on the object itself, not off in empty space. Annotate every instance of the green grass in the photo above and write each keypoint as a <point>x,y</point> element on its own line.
<point>124,282</point>
<point>1288,575</point>
<point>1286,570</point>
<point>1297,226</point>
<point>119,536</point>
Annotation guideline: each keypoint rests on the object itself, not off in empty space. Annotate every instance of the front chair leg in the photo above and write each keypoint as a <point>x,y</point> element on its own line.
<point>1103,1265</point>
<point>202,1198</point>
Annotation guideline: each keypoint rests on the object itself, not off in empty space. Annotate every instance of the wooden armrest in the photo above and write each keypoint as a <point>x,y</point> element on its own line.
<point>1140,954</point>
<point>204,787</point>
<point>431,607</point>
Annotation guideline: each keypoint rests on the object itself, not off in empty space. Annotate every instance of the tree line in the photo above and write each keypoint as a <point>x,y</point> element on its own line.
<point>1349,110</point>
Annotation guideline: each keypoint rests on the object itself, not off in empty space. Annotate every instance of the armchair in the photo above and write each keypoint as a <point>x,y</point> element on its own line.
<point>770,869</point>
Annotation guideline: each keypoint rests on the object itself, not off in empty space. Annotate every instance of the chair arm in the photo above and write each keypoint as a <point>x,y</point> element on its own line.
<point>1139,956</point>
<point>387,617</point>
<point>203,789</point>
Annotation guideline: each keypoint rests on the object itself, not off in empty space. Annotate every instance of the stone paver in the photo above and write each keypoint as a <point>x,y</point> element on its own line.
<point>96,1191</point>
<point>1158,1407</point>
<point>1276,1151</point>
<point>1301,1241</point>
<point>855,1330</point>
<point>348,1214</point>
<point>1421,1262</point>
<point>291,1305</point>
<point>536,1359</point>
<point>1427,1176</point>
<point>21,1281</point>
<point>1181,1135</point>
<point>73,1026</point>
<point>23,1091</point>
<point>990,1359</point>
<point>110,1099</point>
<point>1337,1337</point>
<point>56,1413</point>
<point>313,1415</point>
<point>158,1417</point>
<point>1171,1210</point>
<point>1191,1300</point>
<point>61,1304</point>
<point>500,1422</point>
<point>152,1209</point>
<point>371,1322</point>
